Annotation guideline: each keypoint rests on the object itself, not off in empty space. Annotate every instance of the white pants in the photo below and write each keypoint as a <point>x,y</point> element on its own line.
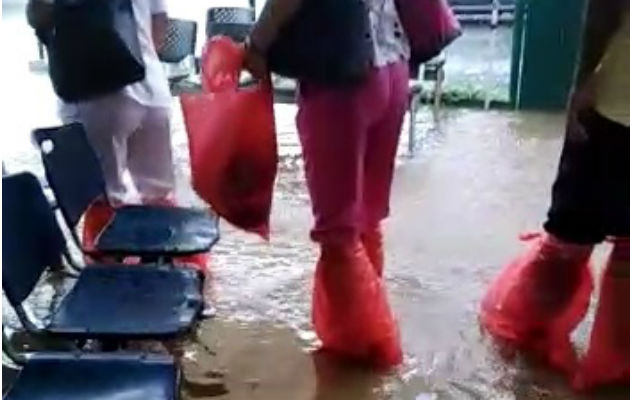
<point>127,135</point>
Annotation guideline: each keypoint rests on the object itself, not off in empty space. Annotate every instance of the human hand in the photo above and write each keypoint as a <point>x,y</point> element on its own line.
<point>582,98</point>
<point>255,61</point>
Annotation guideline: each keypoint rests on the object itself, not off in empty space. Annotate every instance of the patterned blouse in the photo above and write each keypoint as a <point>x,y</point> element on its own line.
<point>386,33</point>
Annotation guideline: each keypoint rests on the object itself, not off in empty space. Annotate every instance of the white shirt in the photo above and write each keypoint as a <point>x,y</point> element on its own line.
<point>153,91</point>
<point>386,33</point>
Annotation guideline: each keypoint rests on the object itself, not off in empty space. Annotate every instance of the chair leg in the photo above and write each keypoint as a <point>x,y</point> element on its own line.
<point>70,261</point>
<point>437,93</point>
<point>413,108</point>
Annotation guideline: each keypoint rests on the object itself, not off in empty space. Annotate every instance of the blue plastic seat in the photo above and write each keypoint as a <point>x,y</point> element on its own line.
<point>107,301</point>
<point>109,376</point>
<point>134,302</point>
<point>157,230</point>
<point>74,173</point>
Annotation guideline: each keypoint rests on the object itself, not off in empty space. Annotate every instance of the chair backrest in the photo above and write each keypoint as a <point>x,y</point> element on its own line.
<point>180,41</point>
<point>31,237</point>
<point>233,22</point>
<point>72,169</point>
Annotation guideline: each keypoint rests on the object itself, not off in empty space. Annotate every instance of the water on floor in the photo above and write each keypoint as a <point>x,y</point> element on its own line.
<point>476,181</point>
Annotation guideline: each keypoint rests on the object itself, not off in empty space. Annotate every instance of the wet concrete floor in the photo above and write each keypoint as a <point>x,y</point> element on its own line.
<point>476,181</point>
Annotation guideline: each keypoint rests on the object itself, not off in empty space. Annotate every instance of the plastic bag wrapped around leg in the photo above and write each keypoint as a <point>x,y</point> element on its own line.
<point>95,219</point>
<point>538,299</point>
<point>200,261</point>
<point>232,142</point>
<point>351,314</point>
<point>607,359</point>
<point>372,239</point>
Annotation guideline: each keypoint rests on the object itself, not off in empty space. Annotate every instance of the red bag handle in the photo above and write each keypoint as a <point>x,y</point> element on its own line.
<point>222,65</point>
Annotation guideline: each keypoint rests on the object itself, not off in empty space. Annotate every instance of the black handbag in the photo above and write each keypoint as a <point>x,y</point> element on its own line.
<point>327,42</point>
<point>93,48</point>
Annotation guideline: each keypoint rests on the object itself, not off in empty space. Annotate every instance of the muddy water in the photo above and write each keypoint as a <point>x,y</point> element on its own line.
<point>477,180</point>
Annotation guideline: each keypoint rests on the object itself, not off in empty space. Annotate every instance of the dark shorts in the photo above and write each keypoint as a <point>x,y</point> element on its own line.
<point>591,194</point>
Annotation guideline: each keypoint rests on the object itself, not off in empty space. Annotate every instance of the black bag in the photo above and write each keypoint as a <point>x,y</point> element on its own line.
<point>327,42</point>
<point>93,48</point>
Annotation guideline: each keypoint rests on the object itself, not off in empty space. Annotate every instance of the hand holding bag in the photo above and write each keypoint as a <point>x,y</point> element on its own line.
<point>232,140</point>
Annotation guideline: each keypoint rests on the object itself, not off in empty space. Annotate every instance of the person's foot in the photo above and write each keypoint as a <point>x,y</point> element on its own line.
<point>351,314</point>
<point>538,299</point>
<point>607,360</point>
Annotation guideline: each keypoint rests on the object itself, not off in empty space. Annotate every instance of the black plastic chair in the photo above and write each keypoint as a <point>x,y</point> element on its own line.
<point>179,42</point>
<point>65,376</point>
<point>113,302</point>
<point>74,173</point>
<point>234,22</point>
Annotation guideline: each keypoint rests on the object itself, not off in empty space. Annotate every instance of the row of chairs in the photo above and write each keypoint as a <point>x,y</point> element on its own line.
<point>109,302</point>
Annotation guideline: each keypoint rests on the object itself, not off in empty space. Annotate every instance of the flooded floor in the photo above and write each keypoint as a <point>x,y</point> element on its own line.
<point>476,181</point>
<point>457,207</point>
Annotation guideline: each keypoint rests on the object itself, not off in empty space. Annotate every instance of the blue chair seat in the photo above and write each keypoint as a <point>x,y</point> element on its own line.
<point>158,231</point>
<point>129,302</point>
<point>64,376</point>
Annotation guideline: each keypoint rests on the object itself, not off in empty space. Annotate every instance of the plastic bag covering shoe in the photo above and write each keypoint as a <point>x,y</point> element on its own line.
<point>372,239</point>
<point>95,219</point>
<point>351,314</point>
<point>538,299</point>
<point>200,261</point>
<point>607,359</point>
<point>232,142</point>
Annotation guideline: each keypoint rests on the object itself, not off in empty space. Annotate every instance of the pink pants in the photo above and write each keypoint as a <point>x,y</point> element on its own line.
<point>349,139</point>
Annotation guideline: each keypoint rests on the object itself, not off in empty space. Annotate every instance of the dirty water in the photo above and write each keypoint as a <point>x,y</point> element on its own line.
<point>477,180</point>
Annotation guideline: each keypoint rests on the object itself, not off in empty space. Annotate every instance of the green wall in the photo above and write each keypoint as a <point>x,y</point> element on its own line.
<point>545,48</point>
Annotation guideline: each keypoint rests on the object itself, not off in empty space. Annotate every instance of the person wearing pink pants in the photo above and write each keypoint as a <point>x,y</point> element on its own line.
<point>349,140</point>
<point>349,136</point>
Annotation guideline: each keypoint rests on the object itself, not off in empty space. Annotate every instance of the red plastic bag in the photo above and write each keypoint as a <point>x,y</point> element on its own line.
<point>607,360</point>
<point>232,141</point>
<point>351,314</point>
<point>538,299</point>
<point>430,26</point>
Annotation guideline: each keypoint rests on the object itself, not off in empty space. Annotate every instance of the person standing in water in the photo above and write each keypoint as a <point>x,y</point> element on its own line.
<point>540,297</point>
<point>129,129</point>
<point>349,138</point>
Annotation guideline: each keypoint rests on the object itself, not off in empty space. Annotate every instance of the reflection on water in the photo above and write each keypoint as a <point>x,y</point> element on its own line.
<point>477,180</point>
